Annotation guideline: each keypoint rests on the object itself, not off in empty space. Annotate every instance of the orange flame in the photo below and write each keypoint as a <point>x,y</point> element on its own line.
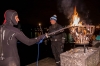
<point>75,19</point>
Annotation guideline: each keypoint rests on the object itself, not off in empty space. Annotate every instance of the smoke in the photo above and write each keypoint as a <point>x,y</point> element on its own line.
<point>67,8</point>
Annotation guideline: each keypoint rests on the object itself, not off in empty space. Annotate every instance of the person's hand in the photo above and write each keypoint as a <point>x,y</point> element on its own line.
<point>47,35</point>
<point>42,36</point>
<point>40,39</point>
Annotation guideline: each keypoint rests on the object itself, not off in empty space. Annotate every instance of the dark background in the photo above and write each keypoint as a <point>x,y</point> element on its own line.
<point>34,11</point>
<point>31,12</point>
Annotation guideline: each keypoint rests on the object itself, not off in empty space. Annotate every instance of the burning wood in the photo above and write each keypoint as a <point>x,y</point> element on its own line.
<point>81,33</point>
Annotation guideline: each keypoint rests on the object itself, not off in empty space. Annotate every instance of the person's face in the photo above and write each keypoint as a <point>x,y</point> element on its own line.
<point>52,22</point>
<point>16,18</point>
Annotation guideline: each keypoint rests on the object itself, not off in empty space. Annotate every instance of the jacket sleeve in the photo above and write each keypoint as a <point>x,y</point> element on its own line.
<point>21,37</point>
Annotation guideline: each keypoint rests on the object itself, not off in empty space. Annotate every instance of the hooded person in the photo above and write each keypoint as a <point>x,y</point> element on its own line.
<point>57,43</point>
<point>8,39</point>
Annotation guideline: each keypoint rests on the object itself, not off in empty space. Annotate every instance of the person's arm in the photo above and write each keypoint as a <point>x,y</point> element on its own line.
<point>21,37</point>
<point>63,34</point>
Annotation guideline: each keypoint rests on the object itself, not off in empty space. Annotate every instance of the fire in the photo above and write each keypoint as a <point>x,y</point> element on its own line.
<point>75,19</point>
<point>80,32</point>
<point>77,28</point>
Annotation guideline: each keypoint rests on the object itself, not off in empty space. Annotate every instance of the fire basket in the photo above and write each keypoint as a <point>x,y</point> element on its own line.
<point>80,32</point>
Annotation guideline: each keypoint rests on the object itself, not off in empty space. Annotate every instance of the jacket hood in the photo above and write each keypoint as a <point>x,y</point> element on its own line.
<point>9,16</point>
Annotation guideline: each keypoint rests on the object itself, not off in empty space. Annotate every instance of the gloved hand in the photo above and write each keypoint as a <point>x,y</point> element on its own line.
<point>47,35</point>
<point>40,38</point>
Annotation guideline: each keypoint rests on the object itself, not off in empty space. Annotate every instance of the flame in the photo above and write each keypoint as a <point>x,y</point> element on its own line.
<point>75,19</point>
<point>80,32</point>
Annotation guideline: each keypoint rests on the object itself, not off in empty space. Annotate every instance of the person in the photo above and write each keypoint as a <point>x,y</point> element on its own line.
<point>57,40</point>
<point>8,39</point>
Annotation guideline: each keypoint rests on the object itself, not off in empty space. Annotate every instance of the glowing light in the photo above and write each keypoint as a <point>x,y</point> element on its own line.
<point>39,24</point>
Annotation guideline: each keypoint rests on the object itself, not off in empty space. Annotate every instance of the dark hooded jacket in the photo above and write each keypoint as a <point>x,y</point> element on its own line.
<point>58,35</point>
<point>10,35</point>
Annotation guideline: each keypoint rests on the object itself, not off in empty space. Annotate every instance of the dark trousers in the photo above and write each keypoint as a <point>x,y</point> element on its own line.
<point>57,49</point>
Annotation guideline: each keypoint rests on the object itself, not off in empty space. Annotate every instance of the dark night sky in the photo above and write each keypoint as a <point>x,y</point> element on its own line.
<point>35,11</point>
<point>30,11</point>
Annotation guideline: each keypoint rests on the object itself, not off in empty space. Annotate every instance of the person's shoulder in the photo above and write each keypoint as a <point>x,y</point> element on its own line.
<point>59,25</point>
<point>13,29</point>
